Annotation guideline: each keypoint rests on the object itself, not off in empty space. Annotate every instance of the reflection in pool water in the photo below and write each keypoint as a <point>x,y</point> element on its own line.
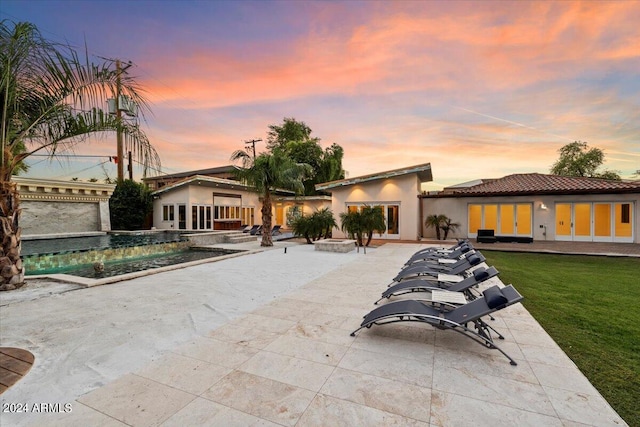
<point>140,264</point>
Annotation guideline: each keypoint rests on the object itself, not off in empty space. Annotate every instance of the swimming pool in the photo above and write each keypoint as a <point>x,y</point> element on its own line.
<point>120,253</point>
<point>105,241</point>
<point>131,265</point>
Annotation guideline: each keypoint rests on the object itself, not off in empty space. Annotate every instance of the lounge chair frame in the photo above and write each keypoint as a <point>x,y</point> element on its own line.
<point>472,313</point>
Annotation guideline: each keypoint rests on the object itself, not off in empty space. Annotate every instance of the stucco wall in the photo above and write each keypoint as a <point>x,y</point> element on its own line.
<point>402,190</point>
<point>543,219</point>
<point>59,217</point>
<point>59,207</point>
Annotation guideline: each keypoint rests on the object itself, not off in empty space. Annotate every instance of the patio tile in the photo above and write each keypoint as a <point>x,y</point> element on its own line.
<point>476,384</point>
<point>583,408</point>
<point>80,416</point>
<point>203,412</point>
<point>540,340</point>
<point>187,374</point>
<point>307,349</point>
<point>272,400</point>
<point>387,395</point>
<point>250,337</point>
<point>562,377</point>
<point>217,352</point>
<point>493,364</point>
<point>265,323</point>
<point>321,333</point>
<point>290,370</point>
<point>329,411</point>
<point>329,320</point>
<point>369,341</point>
<point>448,409</point>
<point>137,401</point>
<point>453,341</point>
<point>280,313</point>
<point>550,356</point>
<point>396,368</point>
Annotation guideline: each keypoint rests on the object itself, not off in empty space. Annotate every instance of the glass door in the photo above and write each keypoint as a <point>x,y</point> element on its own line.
<point>563,221</point>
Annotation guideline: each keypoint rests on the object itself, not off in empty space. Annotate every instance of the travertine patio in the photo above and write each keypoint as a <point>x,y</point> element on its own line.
<point>291,362</point>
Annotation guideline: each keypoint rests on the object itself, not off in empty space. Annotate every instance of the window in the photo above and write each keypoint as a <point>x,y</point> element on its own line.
<point>167,212</point>
<point>625,213</point>
<point>201,217</point>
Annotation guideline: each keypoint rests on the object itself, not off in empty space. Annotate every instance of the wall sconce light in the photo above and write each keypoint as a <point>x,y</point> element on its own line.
<point>543,207</point>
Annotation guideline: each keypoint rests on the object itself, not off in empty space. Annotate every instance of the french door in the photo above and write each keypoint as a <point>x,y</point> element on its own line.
<point>594,222</point>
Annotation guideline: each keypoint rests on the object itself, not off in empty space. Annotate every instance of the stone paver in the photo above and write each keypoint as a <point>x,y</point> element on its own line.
<point>291,362</point>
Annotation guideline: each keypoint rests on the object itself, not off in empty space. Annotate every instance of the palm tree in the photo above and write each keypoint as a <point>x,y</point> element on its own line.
<point>265,173</point>
<point>326,222</point>
<point>351,223</point>
<point>373,221</point>
<point>436,222</point>
<point>50,100</point>
<point>363,222</point>
<point>448,226</point>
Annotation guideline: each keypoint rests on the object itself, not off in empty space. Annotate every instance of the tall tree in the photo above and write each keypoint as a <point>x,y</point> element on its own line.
<point>266,173</point>
<point>51,100</point>
<point>577,159</point>
<point>294,138</point>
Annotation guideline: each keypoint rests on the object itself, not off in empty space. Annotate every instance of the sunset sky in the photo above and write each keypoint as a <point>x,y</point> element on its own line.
<point>478,89</point>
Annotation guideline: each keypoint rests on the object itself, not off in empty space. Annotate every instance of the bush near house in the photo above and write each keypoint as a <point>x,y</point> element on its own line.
<point>130,205</point>
<point>442,224</point>
<point>363,224</point>
<point>316,226</point>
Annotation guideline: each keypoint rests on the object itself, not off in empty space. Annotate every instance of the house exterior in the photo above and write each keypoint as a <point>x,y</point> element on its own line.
<point>396,191</point>
<point>541,207</point>
<point>212,199</point>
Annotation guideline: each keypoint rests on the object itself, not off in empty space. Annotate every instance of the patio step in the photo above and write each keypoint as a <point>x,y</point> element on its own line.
<point>239,237</point>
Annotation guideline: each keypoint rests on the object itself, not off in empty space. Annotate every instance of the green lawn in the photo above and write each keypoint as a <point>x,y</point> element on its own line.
<point>590,305</point>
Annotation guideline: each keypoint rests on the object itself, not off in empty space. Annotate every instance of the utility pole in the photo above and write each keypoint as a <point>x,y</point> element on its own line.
<point>252,144</point>
<point>120,152</point>
<point>130,167</point>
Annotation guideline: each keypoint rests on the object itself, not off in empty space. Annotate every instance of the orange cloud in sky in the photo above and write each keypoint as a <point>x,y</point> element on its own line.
<point>475,88</point>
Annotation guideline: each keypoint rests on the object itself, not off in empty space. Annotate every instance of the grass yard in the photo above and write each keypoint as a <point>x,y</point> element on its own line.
<point>590,305</point>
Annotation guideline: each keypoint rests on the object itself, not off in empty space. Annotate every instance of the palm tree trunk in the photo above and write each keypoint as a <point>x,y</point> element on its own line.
<point>266,220</point>
<point>11,269</point>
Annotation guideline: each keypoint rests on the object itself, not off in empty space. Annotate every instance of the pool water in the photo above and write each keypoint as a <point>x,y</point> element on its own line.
<point>85,243</point>
<point>118,268</point>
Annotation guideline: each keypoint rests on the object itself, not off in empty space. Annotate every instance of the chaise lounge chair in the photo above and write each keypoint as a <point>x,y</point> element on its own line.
<point>251,230</point>
<point>435,249</point>
<point>493,299</point>
<point>427,256</point>
<point>478,276</point>
<point>433,269</point>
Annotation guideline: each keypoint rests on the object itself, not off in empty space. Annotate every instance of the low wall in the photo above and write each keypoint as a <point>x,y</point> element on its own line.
<point>335,245</point>
<point>203,239</point>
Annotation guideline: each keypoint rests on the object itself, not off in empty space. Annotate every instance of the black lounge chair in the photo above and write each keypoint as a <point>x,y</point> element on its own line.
<point>251,230</point>
<point>434,249</point>
<point>426,256</point>
<point>275,230</point>
<point>433,269</point>
<point>493,299</point>
<point>256,230</point>
<point>478,276</point>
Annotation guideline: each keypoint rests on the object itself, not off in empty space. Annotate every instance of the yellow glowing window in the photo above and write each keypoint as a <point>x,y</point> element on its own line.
<point>475,218</point>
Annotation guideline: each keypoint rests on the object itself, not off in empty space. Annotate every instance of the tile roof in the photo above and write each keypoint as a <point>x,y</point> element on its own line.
<point>536,183</point>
